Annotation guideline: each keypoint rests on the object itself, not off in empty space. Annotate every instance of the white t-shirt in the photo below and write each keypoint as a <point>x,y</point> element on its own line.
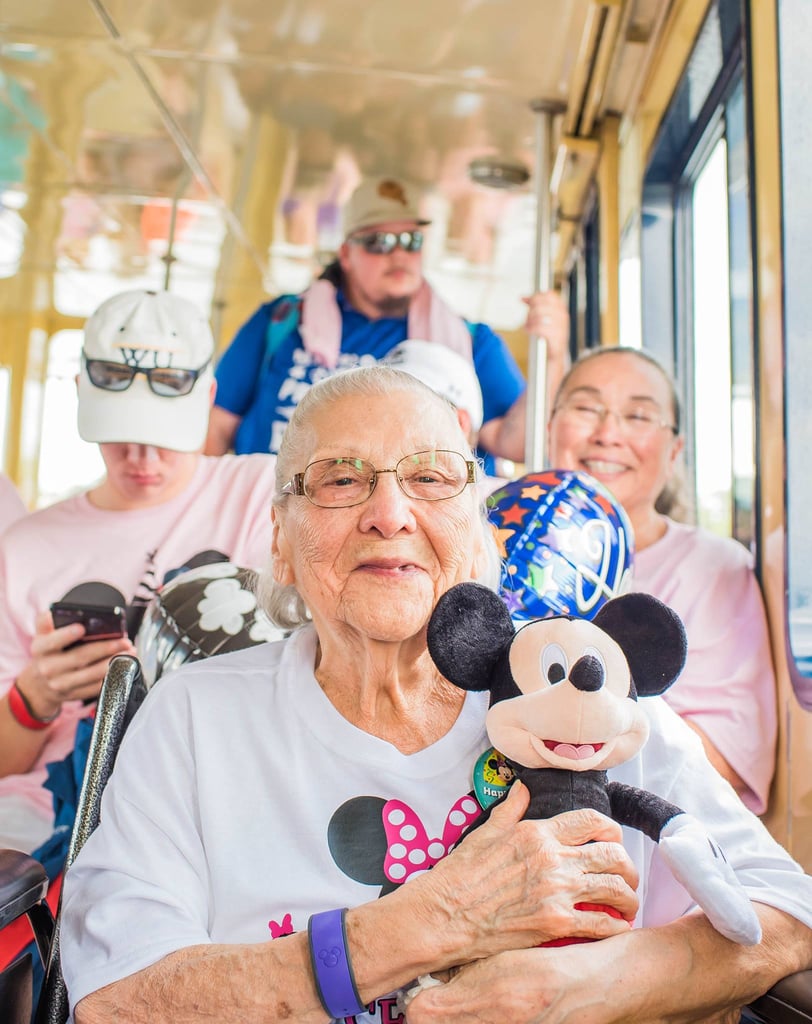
<point>47,554</point>
<point>242,802</point>
<point>728,685</point>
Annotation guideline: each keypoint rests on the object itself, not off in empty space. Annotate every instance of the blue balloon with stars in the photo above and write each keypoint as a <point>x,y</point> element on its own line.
<point>567,545</point>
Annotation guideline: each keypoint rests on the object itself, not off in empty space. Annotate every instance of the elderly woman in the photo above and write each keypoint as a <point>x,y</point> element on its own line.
<point>616,416</point>
<point>258,794</point>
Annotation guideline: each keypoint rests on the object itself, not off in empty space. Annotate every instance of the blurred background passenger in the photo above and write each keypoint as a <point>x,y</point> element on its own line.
<point>451,376</point>
<point>445,372</point>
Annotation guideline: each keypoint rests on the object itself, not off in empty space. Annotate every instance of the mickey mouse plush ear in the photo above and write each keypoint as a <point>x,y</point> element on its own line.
<point>203,611</point>
<point>567,545</point>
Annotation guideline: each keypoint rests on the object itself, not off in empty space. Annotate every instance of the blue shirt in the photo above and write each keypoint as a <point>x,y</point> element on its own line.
<point>264,391</point>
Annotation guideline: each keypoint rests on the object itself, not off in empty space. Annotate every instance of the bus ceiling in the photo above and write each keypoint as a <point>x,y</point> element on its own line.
<point>246,124</point>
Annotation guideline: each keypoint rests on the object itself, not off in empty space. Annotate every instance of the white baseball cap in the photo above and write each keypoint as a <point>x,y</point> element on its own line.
<point>146,331</point>
<point>444,371</point>
<point>380,200</point>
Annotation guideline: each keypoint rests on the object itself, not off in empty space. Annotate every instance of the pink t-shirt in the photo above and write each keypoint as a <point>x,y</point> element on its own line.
<point>46,554</point>
<point>11,504</point>
<point>728,685</point>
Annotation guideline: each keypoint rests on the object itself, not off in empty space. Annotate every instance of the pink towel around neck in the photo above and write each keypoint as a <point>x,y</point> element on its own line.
<point>430,319</point>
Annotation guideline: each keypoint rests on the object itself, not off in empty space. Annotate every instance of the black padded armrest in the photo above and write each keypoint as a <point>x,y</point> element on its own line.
<point>23,884</point>
<point>788,1002</point>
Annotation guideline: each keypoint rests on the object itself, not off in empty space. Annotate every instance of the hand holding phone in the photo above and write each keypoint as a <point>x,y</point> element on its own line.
<point>101,622</point>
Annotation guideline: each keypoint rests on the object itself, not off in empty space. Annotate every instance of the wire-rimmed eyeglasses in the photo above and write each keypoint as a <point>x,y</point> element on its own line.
<point>381,243</point>
<point>166,381</point>
<point>346,481</point>
<point>638,419</point>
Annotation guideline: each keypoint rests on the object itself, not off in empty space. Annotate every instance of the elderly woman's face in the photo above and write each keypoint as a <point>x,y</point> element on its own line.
<point>380,566</point>
<point>614,422</point>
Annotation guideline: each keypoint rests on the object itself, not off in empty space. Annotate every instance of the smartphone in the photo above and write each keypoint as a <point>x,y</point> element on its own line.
<point>101,622</point>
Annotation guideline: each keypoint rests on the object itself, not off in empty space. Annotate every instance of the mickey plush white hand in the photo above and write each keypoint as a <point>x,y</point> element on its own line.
<point>407,994</point>
<point>699,864</point>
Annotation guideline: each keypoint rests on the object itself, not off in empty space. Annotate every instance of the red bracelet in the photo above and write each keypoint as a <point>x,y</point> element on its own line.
<point>23,713</point>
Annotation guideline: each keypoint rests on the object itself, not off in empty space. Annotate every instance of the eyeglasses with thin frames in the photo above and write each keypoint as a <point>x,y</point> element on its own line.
<point>636,420</point>
<point>165,381</point>
<point>381,243</point>
<point>347,481</point>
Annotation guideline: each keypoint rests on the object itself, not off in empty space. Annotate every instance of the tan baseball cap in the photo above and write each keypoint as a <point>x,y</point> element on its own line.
<point>380,200</point>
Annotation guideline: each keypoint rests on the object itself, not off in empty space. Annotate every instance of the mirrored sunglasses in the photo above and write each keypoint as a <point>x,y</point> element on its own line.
<point>381,243</point>
<point>165,381</point>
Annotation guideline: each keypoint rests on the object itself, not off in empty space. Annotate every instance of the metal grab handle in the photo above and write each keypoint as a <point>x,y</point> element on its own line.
<point>535,432</point>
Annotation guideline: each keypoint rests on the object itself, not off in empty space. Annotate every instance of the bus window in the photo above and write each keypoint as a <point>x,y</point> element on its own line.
<point>12,232</point>
<point>794,26</point>
<point>67,464</point>
<point>711,319</point>
<point>629,289</point>
<point>5,394</point>
<point>697,279</point>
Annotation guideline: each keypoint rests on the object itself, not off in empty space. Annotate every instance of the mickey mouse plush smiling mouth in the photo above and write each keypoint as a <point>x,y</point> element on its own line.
<point>575,751</point>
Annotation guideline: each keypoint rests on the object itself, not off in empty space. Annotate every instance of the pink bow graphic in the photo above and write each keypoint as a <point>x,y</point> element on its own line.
<point>278,930</point>
<point>409,849</point>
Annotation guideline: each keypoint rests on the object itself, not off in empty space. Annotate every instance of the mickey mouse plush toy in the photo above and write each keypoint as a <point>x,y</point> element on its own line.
<point>564,709</point>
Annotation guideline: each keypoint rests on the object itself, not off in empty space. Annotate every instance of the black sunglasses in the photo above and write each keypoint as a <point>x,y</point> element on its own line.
<point>165,381</point>
<point>381,243</point>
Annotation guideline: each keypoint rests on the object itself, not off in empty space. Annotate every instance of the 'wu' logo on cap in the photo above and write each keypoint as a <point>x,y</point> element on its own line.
<point>146,358</point>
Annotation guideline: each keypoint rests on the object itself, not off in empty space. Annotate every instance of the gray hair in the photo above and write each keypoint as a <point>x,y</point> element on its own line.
<point>284,605</point>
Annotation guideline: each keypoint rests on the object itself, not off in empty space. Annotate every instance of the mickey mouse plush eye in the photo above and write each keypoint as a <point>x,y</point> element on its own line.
<point>554,664</point>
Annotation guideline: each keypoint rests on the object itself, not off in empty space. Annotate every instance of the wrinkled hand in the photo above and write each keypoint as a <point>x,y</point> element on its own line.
<point>567,985</point>
<point>54,674</point>
<point>548,318</point>
<point>527,986</point>
<point>513,883</point>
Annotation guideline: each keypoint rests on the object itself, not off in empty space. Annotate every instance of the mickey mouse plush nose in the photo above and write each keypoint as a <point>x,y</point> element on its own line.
<point>587,674</point>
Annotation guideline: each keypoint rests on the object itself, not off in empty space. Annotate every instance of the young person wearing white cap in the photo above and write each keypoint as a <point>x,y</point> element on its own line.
<point>371,299</point>
<point>145,390</point>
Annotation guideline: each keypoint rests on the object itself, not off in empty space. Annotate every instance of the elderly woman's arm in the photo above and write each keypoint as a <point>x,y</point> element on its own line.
<point>511,883</point>
<point>685,971</point>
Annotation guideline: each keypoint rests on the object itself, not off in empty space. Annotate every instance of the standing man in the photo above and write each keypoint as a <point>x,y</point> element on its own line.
<point>370,300</point>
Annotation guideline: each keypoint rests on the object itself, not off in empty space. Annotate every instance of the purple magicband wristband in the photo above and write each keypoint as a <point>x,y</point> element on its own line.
<point>332,970</point>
